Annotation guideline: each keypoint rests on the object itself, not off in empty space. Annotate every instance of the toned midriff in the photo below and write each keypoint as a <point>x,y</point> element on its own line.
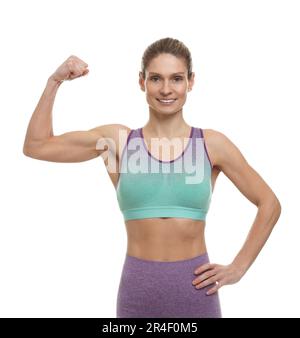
<point>165,239</point>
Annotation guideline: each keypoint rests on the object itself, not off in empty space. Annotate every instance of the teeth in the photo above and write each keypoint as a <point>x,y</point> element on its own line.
<point>166,101</point>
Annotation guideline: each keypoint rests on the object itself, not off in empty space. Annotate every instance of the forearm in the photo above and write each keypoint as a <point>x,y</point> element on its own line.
<point>266,217</point>
<point>40,125</point>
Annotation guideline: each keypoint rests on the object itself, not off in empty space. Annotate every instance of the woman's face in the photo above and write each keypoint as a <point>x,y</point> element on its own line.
<point>166,79</point>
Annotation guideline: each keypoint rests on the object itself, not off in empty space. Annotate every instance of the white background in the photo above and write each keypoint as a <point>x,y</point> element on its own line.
<point>62,235</point>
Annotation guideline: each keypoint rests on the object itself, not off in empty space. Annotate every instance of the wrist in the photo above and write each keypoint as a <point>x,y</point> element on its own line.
<point>53,81</point>
<point>239,268</point>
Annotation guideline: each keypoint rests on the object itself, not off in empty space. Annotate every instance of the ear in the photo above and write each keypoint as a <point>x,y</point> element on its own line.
<point>141,81</point>
<point>191,82</point>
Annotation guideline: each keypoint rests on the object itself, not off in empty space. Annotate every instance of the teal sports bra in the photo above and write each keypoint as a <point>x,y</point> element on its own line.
<point>151,188</point>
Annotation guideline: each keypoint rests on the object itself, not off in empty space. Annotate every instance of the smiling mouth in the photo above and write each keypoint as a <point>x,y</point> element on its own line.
<point>166,102</point>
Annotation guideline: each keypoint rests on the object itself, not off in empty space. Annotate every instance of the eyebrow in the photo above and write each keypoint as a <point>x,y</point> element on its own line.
<point>150,73</point>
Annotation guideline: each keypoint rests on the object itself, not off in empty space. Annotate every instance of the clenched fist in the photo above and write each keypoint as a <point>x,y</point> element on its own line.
<point>71,69</point>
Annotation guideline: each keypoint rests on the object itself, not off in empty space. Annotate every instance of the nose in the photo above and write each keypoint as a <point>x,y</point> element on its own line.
<point>165,90</point>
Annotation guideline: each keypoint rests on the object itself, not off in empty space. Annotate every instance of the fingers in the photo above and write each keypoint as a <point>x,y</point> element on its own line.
<point>77,60</point>
<point>204,267</point>
<point>210,274</point>
<point>85,72</point>
<point>205,277</point>
<point>77,67</point>
<point>76,70</point>
<point>215,273</point>
<point>216,280</point>
<point>215,288</point>
<point>207,282</point>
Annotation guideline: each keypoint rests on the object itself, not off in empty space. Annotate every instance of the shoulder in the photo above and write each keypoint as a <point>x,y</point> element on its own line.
<point>221,148</point>
<point>111,130</point>
<point>214,136</point>
<point>230,160</point>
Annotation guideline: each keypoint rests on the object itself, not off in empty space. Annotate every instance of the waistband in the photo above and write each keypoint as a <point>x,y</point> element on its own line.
<point>135,262</point>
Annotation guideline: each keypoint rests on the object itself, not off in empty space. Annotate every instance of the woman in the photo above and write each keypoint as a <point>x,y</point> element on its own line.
<point>167,271</point>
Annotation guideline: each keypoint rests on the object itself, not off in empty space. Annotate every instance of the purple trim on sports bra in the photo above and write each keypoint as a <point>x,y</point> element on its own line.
<point>175,159</point>
<point>123,151</point>
<point>202,135</point>
<point>127,141</point>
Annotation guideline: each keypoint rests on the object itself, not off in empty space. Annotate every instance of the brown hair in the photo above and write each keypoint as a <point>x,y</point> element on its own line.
<point>170,46</point>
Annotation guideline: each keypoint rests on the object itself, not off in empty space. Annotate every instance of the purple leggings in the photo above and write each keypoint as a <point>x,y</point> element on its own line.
<point>157,289</point>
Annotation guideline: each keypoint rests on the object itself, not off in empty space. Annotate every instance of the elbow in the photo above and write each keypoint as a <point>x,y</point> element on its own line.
<point>31,148</point>
<point>273,204</point>
<point>277,207</point>
<point>276,210</point>
<point>26,151</point>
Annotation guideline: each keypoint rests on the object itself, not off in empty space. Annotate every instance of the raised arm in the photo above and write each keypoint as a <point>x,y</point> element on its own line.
<point>74,146</point>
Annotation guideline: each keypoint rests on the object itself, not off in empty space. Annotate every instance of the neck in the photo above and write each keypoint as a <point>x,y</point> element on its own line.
<point>170,126</point>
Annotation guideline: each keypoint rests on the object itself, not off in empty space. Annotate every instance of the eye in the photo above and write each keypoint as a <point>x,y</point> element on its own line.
<point>177,78</point>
